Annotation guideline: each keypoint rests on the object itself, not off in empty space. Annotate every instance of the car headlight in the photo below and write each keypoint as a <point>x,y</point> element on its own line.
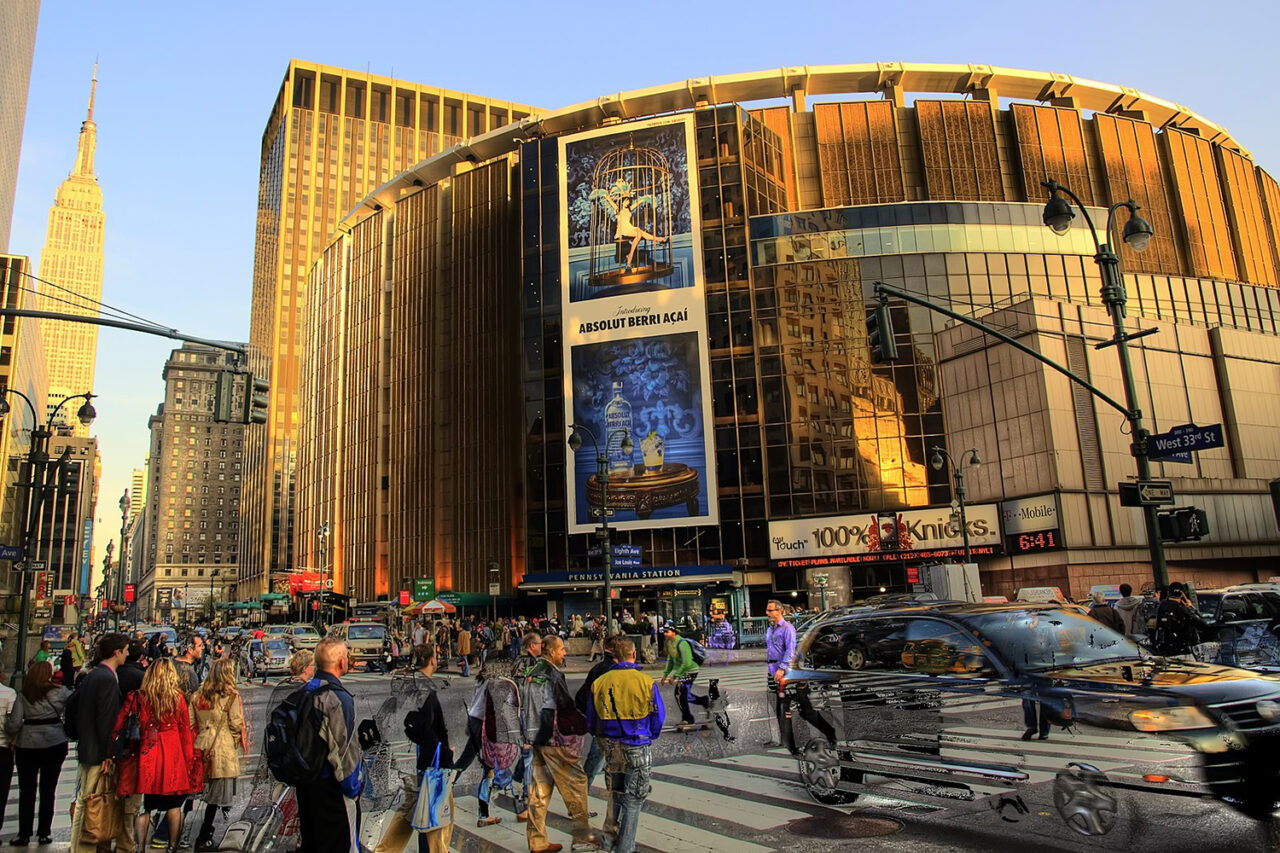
<point>1170,719</point>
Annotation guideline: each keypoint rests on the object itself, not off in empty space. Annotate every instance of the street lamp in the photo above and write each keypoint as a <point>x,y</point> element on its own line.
<point>1137,233</point>
<point>122,561</point>
<point>821,579</point>
<point>626,445</point>
<point>212,574</point>
<point>969,458</point>
<point>323,533</point>
<point>39,467</point>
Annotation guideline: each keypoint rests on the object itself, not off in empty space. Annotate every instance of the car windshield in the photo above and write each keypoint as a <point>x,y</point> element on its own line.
<point>305,632</point>
<point>1032,640</point>
<point>366,632</point>
<point>278,646</point>
<point>1207,603</point>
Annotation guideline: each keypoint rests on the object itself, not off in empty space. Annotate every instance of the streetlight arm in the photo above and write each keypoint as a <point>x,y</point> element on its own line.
<point>35,419</point>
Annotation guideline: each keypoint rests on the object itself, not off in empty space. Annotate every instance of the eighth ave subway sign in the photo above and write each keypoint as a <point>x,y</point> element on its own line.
<point>889,536</point>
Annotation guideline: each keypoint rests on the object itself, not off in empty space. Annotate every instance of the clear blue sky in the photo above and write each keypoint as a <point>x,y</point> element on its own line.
<point>185,89</point>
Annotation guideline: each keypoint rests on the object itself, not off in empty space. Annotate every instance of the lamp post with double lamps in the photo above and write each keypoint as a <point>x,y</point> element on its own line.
<point>1058,214</point>
<point>969,459</point>
<point>122,562</point>
<point>38,468</point>
<point>626,445</point>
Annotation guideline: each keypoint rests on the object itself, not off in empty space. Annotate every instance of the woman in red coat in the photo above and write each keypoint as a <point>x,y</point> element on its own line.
<point>162,765</point>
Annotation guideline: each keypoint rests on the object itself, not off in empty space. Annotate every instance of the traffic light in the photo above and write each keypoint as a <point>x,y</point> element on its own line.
<point>1183,524</point>
<point>68,476</point>
<point>884,348</point>
<point>222,393</point>
<point>256,399</point>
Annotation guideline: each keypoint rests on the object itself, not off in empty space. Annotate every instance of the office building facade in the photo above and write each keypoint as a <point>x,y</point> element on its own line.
<point>194,489</point>
<point>18,21</point>
<point>332,137</point>
<point>697,276</point>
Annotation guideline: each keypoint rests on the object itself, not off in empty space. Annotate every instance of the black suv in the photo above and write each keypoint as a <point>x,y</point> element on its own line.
<point>960,691</point>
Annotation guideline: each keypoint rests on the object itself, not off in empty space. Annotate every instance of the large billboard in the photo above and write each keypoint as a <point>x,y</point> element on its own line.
<point>635,326</point>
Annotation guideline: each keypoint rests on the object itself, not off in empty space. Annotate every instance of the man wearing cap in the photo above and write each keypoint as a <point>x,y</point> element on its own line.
<point>779,648</point>
<point>681,671</point>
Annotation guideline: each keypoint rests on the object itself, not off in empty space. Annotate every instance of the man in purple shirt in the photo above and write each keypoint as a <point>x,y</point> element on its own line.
<point>780,648</point>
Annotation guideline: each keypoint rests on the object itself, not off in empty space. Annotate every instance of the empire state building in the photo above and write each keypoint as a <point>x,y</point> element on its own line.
<point>71,269</point>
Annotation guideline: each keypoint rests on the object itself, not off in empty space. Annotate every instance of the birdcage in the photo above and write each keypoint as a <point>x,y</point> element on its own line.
<point>630,217</point>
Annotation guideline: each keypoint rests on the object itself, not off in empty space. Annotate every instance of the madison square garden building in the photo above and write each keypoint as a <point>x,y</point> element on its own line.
<point>690,268</point>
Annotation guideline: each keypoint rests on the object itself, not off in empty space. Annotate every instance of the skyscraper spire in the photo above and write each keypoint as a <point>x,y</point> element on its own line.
<point>88,143</point>
<point>93,89</point>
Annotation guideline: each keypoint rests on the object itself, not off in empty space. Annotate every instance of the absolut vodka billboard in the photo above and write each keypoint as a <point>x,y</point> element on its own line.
<point>635,327</point>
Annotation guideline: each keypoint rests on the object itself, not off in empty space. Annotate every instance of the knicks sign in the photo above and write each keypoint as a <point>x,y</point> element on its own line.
<point>888,536</point>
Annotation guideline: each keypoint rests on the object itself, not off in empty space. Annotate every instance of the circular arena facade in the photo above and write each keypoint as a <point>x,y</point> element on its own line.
<point>691,267</point>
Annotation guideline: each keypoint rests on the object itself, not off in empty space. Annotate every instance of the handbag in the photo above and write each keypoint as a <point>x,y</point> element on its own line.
<point>103,814</point>
<point>129,741</point>
<point>434,808</point>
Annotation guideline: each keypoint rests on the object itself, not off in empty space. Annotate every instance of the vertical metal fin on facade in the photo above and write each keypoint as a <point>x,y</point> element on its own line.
<point>1086,415</point>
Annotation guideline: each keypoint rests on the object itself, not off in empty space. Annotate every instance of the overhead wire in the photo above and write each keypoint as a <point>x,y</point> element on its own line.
<point>120,313</point>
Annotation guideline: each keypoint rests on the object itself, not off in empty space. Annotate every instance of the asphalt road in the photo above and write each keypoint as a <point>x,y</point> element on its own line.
<point>712,794</point>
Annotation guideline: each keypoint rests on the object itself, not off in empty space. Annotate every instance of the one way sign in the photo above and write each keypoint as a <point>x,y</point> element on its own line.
<point>1146,493</point>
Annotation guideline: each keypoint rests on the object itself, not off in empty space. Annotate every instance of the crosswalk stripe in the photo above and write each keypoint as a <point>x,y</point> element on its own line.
<point>758,816</point>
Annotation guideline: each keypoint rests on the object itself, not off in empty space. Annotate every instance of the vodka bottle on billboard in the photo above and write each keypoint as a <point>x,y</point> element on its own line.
<point>617,416</point>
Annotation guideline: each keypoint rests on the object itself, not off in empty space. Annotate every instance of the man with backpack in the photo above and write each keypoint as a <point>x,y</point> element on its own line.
<point>684,657</point>
<point>310,743</point>
<point>89,717</point>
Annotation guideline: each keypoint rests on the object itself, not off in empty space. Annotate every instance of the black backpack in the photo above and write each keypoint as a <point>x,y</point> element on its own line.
<point>696,650</point>
<point>295,752</point>
<point>71,715</point>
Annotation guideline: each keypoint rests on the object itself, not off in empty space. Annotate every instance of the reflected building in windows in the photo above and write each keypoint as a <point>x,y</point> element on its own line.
<point>458,290</point>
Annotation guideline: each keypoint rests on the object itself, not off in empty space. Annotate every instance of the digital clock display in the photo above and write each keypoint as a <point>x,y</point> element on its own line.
<point>1043,540</point>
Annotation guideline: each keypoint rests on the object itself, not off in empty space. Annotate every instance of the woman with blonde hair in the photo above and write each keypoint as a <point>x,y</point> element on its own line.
<point>217,716</point>
<point>157,750</point>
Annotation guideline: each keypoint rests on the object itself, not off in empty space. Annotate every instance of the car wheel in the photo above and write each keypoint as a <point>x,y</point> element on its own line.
<point>821,774</point>
<point>1084,801</point>
<point>855,658</point>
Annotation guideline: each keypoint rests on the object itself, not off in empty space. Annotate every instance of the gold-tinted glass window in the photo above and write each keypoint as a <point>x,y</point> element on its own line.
<point>1198,195</point>
<point>1131,170</point>
<point>1271,207</point>
<point>1051,145</point>
<point>1248,225</point>
<point>858,153</point>
<point>958,146</point>
<point>778,119</point>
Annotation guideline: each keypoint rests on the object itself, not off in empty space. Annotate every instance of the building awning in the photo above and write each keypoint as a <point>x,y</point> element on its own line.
<point>639,576</point>
<point>273,596</point>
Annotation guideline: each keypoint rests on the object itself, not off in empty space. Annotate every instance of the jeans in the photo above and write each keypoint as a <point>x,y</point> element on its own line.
<point>594,761</point>
<point>526,777</point>
<point>38,769</point>
<point>628,780</point>
<point>684,696</point>
<point>1029,709</point>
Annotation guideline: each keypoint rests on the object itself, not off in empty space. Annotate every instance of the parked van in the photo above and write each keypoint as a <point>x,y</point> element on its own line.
<point>367,641</point>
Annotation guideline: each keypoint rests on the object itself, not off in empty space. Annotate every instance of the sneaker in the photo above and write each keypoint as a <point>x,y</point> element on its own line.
<point>713,689</point>
<point>45,839</point>
<point>205,845</point>
<point>488,821</point>
<point>21,841</point>
<point>159,843</point>
<point>550,848</point>
<point>523,816</point>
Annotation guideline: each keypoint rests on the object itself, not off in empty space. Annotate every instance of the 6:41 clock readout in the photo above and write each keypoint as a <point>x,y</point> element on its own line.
<point>1045,540</point>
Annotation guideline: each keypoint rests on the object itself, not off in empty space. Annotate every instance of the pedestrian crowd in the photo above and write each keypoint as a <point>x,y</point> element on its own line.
<point>161,730</point>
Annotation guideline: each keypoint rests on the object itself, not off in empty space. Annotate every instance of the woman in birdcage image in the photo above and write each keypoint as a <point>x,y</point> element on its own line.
<point>622,203</point>
<point>630,216</point>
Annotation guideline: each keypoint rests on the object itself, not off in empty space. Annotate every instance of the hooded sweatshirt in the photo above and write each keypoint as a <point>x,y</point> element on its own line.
<point>1130,610</point>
